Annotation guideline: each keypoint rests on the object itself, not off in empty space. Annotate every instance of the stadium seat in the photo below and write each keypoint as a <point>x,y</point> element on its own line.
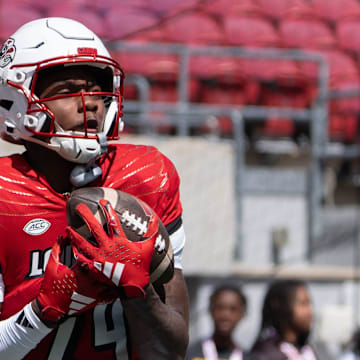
<point>248,8</point>
<point>343,112</point>
<point>147,64</point>
<point>194,28</point>
<point>130,22</point>
<point>161,70</point>
<point>77,11</point>
<point>155,34</point>
<point>290,93</point>
<point>222,81</point>
<point>334,10</point>
<point>300,10</point>
<point>277,9</point>
<point>42,6</point>
<point>250,32</point>
<point>12,17</point>
<point>305,34</point>
<point>281,86</point>
<point>342,68</point>
<point>348,36</point>
<point>270,70</point>
<point>169,8</point>
<point>343,74</point>
<point>107,6</point>
<point>343,127</point>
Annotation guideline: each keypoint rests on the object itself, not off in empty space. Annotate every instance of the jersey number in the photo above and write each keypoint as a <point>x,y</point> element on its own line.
<point>109,330</point>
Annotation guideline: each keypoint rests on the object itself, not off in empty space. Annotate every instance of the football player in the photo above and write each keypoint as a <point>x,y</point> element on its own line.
<point>61,97</point>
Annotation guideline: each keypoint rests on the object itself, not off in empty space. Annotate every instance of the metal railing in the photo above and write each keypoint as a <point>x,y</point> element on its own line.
<point>183,114</point>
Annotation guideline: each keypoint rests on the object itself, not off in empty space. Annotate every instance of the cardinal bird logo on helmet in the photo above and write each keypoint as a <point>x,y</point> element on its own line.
<point>7,52</point>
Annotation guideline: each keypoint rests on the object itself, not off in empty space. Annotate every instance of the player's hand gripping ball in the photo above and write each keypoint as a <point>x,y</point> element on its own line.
<point>120,238</point>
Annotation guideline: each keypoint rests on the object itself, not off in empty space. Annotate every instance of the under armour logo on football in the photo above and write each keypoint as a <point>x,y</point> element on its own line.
<point>111,271</point>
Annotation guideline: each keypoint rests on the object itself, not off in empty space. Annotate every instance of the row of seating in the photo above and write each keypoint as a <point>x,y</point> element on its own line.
<point>299,23</point>
<point>324,26</point>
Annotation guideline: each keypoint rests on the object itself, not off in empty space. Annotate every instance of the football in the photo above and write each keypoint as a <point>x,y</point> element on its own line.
<point>132,213</point>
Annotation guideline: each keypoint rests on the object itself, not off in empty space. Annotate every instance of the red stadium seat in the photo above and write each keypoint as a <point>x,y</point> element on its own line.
<point>156,34</point>
<point>194,28</point>
<point>334,10</point>
<point>77,11</point>
<point>277,9</point>
<point>305,34</point>
<point>107,6</point>
<point>348,36</point>
<point>250,32</point>
<point>223,82</point>
<point>270,70</point>
<point>248,8</point>
<point>343,127</point>
<point>293,93</point>
<point>278,128</point>
<point>147,64</point>
<point>342,68</point>
<point>169,8</point>
<point>281,86</point>
<point>12,17</point>
<point>161,70</point>
<point>128,23</point>
<point>343,112</point>
<point>343,72</point>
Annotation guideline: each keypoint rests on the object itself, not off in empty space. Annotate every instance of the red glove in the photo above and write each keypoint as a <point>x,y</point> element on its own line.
<point>122,262</point>
<point>68,291</point>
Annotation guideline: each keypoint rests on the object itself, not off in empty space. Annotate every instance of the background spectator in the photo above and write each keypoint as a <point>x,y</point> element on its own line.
<point>227,309</point>
<point>286,323</point>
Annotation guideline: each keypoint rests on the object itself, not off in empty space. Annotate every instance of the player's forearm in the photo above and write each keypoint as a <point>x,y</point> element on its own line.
<point>20,333</point>
<point>157,330</point>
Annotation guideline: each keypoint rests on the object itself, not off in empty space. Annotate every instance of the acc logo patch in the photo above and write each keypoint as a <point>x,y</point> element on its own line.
<point>36,226</point>
<point>7,52</point>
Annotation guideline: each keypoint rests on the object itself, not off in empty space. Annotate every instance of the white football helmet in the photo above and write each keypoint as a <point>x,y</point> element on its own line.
<point>39,45</point>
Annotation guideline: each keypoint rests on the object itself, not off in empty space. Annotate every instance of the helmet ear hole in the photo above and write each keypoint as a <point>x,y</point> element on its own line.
<point>6,104</point>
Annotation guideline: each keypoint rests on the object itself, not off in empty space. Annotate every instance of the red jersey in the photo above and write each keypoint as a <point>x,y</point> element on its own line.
<point>33,215</point>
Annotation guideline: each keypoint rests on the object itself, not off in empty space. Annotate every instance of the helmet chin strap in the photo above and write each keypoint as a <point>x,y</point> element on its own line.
<point>82,175</point>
